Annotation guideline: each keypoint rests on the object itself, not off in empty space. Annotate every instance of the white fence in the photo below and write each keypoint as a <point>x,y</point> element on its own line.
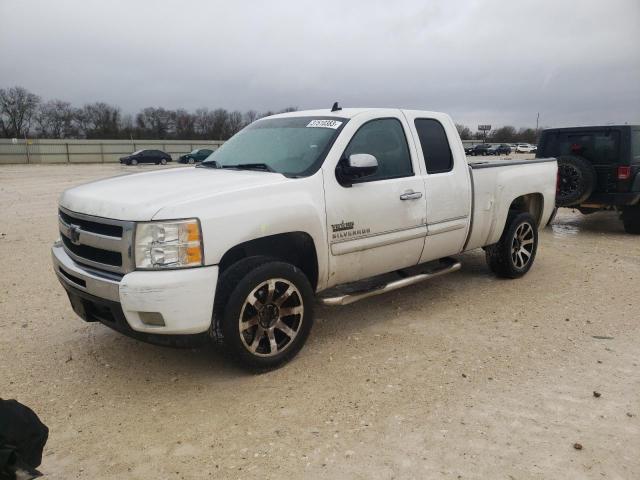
<point>90,151</point>
<point>98,151</point>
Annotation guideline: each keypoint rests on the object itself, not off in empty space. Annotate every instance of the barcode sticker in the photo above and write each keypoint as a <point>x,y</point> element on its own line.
<point>324,124</point>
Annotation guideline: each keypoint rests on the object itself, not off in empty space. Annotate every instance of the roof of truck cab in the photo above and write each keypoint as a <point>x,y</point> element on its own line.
<point>347,112</point>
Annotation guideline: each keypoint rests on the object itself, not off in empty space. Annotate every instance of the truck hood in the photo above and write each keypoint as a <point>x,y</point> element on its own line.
<point>140,196</point>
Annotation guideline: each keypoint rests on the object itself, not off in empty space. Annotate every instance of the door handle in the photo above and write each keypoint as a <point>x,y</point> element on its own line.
<point>411,195</point>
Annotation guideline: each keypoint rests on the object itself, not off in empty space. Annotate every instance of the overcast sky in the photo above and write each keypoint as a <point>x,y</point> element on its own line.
<point>493,61</point>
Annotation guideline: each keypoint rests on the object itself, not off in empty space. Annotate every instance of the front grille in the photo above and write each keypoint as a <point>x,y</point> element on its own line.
<point>94,254</point>
<point>94,227</point>
<point>103,244</point>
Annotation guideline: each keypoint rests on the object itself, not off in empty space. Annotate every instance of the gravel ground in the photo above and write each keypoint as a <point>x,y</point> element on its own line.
<point>466,376</point>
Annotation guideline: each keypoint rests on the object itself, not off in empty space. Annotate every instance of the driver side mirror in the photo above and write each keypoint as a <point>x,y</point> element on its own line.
<point>358,165</point>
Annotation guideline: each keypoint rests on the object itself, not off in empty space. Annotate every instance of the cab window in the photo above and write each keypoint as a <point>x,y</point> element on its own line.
<point>435,145</point>
<point>383,138</point>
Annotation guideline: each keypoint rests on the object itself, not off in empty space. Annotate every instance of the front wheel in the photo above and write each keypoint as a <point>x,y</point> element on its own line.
<point>191,161</point>
<point>264,311</point>
<point>133,162</point>
<point>515,252</point>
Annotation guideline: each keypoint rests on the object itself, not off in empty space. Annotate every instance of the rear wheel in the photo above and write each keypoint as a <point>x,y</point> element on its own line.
<point>163,161</point>
<point>631,219</point>
<point>515,252</point>
<point>264,311</point>
<point>577,180</point>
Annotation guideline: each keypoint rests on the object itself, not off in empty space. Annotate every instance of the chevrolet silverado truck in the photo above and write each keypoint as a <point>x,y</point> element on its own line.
<point>327,205</point>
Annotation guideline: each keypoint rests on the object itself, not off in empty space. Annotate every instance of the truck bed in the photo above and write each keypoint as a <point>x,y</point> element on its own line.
<point>496,184</point>
<point>506,162</point>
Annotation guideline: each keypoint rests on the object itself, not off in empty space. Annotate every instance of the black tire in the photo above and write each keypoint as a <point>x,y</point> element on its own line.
<point>191,161</point>
<point>248,279</point>
<point>133,162</point>
<point>503,258</point>
<point>163,161</point>
<point>631,219</point>
<point>577,179</point>
<point>553,216</point>
<point>587,211</point>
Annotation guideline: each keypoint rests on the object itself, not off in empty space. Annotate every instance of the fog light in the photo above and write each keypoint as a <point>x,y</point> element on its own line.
<point>152,318</point>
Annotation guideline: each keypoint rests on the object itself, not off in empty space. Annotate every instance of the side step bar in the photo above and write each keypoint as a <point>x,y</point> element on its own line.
<point>450,265</point>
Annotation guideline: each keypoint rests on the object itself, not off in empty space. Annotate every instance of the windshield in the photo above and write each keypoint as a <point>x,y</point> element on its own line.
<point>137,152</point>
<point>293,146</point>
<point>193,152</point>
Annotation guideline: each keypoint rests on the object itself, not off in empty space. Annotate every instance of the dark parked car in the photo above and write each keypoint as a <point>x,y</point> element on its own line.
<point>480,149</point>
<point>196,156</point>
<point>598,168</point>
<point>146,156</point>
<point>502,149</point>
<point>469,149</point>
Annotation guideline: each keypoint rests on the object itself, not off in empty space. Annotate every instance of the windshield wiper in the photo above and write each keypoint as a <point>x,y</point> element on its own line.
<point>251,166</point>
<point>209,164</point>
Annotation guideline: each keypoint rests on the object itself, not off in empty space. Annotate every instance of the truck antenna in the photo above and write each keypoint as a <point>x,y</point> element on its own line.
<point>336,107</point>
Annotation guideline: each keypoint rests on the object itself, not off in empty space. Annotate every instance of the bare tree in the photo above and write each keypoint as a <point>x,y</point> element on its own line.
<point>503,134</point>
<point>55,120</point>
<point>464,132</point>
<point>250,116</point>
<point>235,123</point>
<point>184,123</point>
<point>18,106</point>
<point>527,135</point>
<point>98,120</point>
<point>219,124</point>
<point>155,123</point>
<point>203,122</point>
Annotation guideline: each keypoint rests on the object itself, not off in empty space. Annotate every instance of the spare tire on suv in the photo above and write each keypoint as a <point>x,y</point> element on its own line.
<point>577,179</point>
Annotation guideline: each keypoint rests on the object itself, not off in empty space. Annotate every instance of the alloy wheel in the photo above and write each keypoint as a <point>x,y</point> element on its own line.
<point>522,245</point>
<point>271,317</point>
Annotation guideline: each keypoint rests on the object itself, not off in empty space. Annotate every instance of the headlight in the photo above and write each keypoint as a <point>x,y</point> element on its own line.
<point>176,244</point>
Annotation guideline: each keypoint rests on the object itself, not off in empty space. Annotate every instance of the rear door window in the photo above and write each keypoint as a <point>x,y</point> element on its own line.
<point>435,145</point>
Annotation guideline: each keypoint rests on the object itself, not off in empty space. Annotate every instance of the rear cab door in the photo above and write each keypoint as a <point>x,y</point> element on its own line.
<point>447,183</point>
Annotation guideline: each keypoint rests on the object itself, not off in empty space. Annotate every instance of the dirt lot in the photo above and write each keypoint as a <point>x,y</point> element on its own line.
<point>464,377</point>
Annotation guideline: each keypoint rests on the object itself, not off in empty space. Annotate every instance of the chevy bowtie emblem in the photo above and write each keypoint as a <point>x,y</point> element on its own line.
<point>74,234</point>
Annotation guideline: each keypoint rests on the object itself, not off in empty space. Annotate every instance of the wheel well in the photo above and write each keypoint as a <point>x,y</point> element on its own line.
<point>296,248</point>
<point>532,203</point>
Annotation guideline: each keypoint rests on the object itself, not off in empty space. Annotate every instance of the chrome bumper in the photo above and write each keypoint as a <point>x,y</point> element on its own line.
<point>94,283</point>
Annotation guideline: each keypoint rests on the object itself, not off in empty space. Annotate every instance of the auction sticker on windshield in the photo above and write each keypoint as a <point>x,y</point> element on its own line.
<point>324,124</point>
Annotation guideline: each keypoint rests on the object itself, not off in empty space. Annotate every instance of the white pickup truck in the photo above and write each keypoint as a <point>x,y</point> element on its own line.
<point>332,205</point>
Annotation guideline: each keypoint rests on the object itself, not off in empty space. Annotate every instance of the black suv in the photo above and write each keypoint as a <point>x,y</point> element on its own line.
<point>598,168</point>
<point>146,156</point>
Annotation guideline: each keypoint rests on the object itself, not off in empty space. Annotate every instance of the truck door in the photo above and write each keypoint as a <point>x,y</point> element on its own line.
<point>447,184</point>
<point>376,225</point>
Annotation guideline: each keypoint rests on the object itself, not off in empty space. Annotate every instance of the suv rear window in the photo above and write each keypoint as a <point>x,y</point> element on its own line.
<point>598,147</point>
